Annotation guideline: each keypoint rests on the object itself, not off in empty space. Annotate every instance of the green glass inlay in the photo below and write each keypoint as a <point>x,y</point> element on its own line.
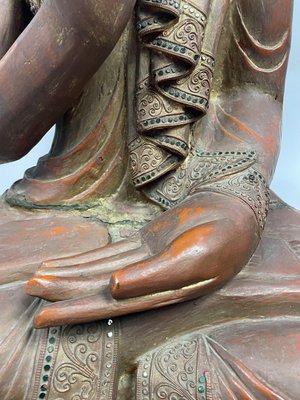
<point>50,349</point>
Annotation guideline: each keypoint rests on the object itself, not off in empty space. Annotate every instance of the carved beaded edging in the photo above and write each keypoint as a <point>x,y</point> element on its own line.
<point>249,187</point>
<point>148,162</point>
<point>199,168</point>
<point>50,354</point>
<point>176,91</point>
<point>79,361</point>
<point>197,367</point>
<point>228,172</point>
<point>178,370</point>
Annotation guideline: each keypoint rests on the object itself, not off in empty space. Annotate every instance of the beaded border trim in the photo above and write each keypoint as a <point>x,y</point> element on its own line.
<point>229,172</point>
<point>88,352</point>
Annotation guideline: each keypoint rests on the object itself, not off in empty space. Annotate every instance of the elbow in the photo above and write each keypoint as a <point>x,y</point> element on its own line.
<point>7,156</point>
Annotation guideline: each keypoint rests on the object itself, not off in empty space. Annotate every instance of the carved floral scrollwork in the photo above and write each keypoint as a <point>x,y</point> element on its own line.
<point>225,172</point>
<point>178,366</point>
<point>175,90</point>
<point>171,372</point>
<point>198,368</point>
<point>82,363</point>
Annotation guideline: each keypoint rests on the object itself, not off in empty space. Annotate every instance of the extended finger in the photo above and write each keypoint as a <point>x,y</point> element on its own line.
<point>92,255</point>
<point>103,306</point>
<point>104,265</point>
<point>58,289</point>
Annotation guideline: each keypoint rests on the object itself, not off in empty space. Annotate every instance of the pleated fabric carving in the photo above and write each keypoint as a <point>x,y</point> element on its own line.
<point>173,88</point>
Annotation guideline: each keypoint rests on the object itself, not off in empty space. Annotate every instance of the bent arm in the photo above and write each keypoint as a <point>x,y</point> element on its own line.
<point>47,67</point>
<point>13,19</point>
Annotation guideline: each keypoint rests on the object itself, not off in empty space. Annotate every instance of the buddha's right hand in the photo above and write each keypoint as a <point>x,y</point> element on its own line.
<point>184,253</point>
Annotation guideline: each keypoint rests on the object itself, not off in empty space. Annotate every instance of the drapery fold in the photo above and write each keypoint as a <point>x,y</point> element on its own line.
<point>174,79</point>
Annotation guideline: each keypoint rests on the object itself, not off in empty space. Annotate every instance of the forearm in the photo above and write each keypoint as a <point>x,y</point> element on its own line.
<point>13,19</point>
<point>246,104</point>
<point>47,67</point>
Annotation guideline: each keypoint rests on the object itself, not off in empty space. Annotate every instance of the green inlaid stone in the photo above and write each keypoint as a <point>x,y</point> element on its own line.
<point>46,378</point>
<point>50,349</point>
<point>48,358</point>
<point>43,388</point>
<point>42,395</point>
<point>161,72</point>
<point>52,340</point>
<point>202,379</point>
<point>201,389</point>
<point>47,367</point>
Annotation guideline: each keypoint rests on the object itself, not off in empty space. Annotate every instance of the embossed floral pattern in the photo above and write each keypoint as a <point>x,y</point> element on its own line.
<point>79,362</point>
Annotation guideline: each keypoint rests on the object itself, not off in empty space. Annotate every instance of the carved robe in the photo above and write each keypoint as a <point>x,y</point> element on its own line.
<point>220,347</point>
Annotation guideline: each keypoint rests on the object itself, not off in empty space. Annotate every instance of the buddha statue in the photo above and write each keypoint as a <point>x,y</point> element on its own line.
<point>143,257</point>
